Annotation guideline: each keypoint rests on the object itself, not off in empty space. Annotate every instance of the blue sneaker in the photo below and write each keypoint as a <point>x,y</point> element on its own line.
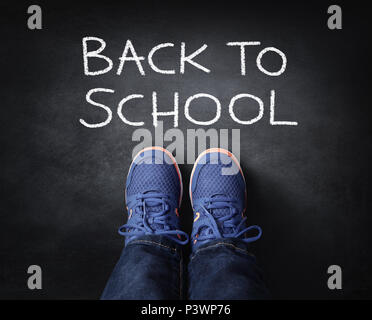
<point>218,197</point>
<point>153,196</point>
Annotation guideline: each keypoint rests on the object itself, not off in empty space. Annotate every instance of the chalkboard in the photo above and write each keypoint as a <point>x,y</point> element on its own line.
<point>63,183</point>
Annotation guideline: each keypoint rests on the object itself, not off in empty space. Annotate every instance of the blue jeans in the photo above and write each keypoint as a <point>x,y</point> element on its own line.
<point>153,267</point>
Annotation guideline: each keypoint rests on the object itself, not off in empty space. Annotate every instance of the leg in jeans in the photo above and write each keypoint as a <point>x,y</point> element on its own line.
<point>150,266</point>
<point>221,266</point>
<point>224,269</point>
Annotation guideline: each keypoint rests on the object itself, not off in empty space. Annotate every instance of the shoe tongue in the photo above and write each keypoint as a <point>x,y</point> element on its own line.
<point>220,212</point>
<point>154,206</point>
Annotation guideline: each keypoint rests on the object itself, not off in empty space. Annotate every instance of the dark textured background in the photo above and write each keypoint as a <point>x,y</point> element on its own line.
<point>62,184</point>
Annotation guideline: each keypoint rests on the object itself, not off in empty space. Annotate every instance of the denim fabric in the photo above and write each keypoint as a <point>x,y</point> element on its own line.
<point>152,267</point>
<point>225,270</point>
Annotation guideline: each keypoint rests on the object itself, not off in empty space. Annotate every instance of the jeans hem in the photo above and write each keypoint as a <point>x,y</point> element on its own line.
<point>232,243</point>
<point>157,240</point>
